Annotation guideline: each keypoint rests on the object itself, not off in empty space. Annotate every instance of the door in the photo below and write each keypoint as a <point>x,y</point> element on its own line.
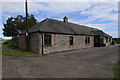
<point>96,41</point>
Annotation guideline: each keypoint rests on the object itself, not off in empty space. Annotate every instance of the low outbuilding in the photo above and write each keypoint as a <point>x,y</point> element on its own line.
<point>50,36</point>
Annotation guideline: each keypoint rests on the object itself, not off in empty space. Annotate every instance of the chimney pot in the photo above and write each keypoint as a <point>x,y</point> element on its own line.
<point>65,19</point>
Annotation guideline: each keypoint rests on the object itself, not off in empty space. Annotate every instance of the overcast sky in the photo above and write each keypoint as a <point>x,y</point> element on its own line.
<point>101,15</point>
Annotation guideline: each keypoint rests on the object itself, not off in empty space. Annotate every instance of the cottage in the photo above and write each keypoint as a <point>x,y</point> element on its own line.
<point>51,36</point>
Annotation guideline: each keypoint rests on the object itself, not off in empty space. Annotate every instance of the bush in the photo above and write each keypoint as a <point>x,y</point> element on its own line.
<point>13,43</point>
<point>112,43</point>
<point>103,44</point>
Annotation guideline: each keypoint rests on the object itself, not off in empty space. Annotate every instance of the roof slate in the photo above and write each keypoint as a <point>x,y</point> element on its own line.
<point>56,26</point>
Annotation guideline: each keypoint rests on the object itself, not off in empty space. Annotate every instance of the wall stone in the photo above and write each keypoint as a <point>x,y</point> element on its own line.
<point>91,44</point>
<point>61,43</point>
<point>34,42</point>
<point>109,42</point>
<point>22,42</point>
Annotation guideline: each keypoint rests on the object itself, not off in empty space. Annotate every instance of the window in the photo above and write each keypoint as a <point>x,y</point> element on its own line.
<point>109,39</point>
<point>106,39</point>
<point>71,40</point>
<point>47,39</point>
<point>87,40</point>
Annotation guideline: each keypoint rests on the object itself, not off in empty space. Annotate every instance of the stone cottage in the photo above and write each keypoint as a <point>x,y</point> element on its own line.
<point>50,36</point>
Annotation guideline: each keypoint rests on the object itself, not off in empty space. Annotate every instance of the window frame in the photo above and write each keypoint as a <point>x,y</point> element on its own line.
<point>107,39</point>
<point>87,39</point>
<point>71,40</point>
<point>48,43</point>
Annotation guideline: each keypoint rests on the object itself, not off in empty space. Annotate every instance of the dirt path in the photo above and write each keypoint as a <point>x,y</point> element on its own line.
<point>84,63</point>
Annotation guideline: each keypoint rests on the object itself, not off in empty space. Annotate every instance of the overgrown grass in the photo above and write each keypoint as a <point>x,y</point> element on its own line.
<point>117,70</point>
<point>16,52</point>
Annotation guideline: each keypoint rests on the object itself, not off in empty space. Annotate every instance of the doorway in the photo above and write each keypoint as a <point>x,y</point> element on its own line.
<point>96,41</point>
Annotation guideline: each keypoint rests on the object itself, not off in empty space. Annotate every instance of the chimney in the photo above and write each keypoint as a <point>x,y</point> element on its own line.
<point>65,19</point>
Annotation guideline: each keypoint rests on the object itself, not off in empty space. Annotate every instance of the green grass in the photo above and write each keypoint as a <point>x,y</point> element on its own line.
<point>16,52</point>
<point>118,43</point>
<point>117,70</point>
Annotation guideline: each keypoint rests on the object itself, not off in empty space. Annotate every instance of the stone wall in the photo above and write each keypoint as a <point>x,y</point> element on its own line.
<point>34,42</point>
<point>61,43</point>
<point>22,42</point>
<point>109,41</point>
<point>91,44</point>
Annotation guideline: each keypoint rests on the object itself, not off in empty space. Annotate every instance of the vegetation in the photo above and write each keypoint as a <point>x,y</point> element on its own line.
<point>103,44</point>
<point>6,50</point>
<point>12,43</point>
<point>12,27</point>
<point>117,70</point>
<point>15,25</point>
<point>116,40</point>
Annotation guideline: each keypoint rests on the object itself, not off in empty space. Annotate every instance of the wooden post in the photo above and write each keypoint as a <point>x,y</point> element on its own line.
<point>27,36</point>
<point>42,44</point>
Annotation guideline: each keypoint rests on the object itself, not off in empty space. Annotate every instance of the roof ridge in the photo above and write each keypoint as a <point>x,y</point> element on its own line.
<point>71,23</point>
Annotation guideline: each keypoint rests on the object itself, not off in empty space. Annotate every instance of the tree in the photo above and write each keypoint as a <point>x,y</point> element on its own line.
<point>15,25</point>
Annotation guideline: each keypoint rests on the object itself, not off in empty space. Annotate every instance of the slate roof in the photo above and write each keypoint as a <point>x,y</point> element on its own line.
<point>56,26</point>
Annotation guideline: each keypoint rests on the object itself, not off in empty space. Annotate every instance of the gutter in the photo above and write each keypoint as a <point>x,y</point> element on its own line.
<point>56,33</point>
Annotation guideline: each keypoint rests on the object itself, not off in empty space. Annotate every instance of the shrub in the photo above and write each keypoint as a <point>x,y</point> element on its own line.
<point>103,44</point>
<point>112,43</point>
